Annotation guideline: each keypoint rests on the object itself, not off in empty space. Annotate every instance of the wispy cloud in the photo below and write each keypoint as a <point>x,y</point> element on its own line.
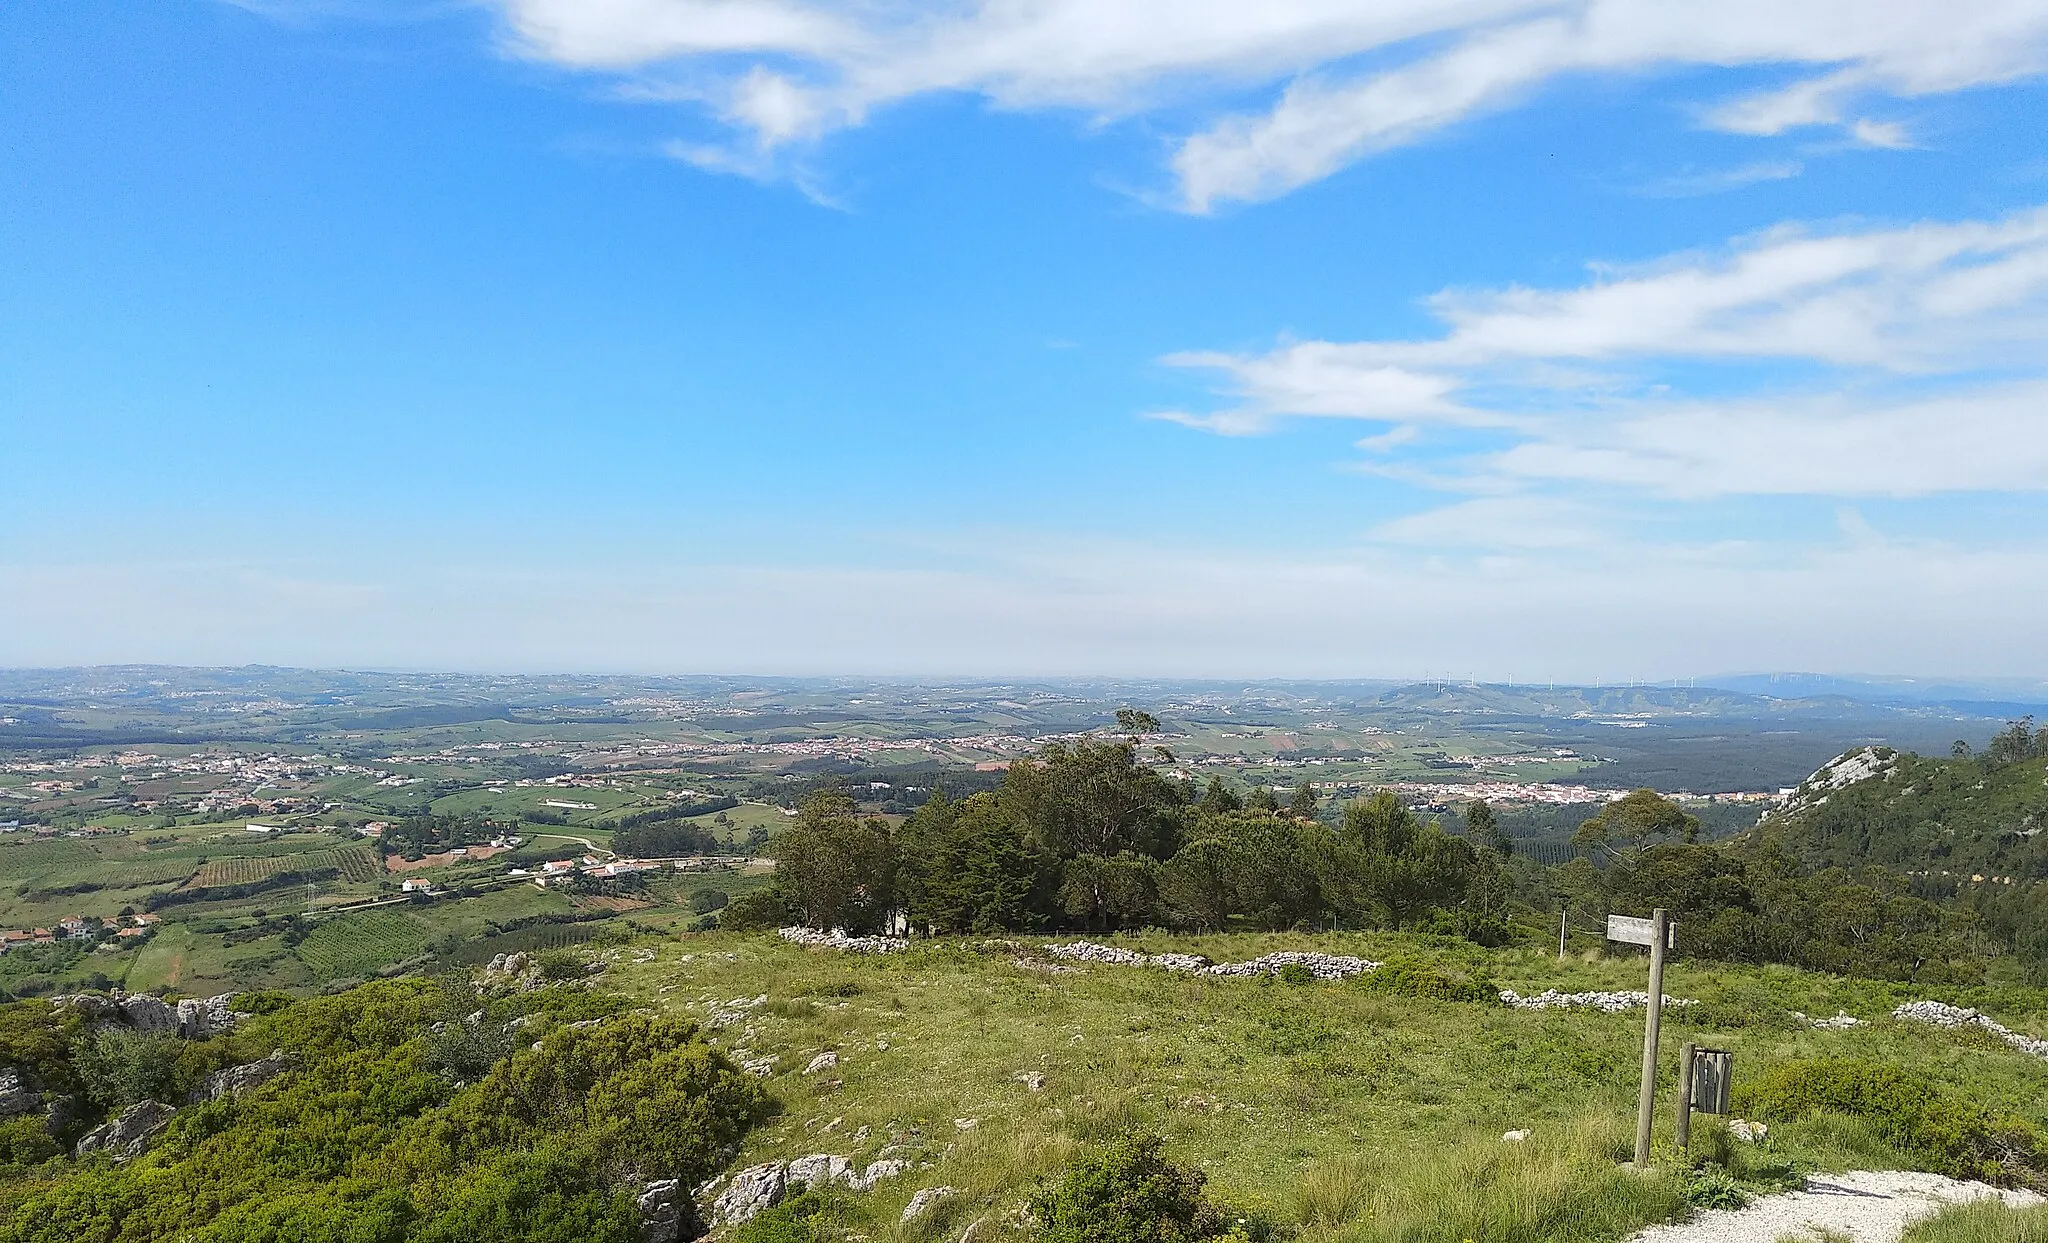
<point>1695,184</point>
<point>783,73</point>
<point>1898,361</point>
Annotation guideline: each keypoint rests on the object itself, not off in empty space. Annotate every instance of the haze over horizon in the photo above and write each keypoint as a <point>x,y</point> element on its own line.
<point>1597,341</point>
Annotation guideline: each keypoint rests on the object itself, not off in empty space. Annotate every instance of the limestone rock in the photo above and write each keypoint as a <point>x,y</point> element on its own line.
<point>211,1017</point>
<point>1033,1081</point>
<point>751,1191</point>
<point>1514,1137</point>
<point>923,1202</point>
<point>128,1135</point>
<point>824,1061</point>
<point>820,1169</point>
<point>91,1005</point>
<point>887,1167</point>
<point>661,1211</point>
<point>148,1014</point>
<point>16,1097</point>
<point>247,1077</point>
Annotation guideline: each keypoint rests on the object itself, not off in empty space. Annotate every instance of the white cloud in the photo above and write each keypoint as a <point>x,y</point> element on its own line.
<point>1918,353</point>
<point>786,71</point>
<point>1720,181</point>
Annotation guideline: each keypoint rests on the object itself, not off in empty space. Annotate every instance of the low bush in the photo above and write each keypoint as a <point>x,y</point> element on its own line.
<point>1407,978</point>
<point>562,965</point>
<point>1127,1192</point>
<point>811,1217</point>
<point>1951,1136</point>
<point>754,912</point>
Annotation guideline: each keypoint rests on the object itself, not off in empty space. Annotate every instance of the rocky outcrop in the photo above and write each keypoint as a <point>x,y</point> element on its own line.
<point>819,1170</point>
<point>213,1016</point>
<point>663,1208</point>
<point>761,1187</point>
<point>145,1013</point>
<point>16,1097</point>
<point>247,1077</point>
<point>751,1192</point>
<point>128,1135</point>
<point>192,1018</point>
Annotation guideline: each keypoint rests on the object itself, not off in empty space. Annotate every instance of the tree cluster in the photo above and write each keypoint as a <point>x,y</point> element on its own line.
<point>1088,837</point>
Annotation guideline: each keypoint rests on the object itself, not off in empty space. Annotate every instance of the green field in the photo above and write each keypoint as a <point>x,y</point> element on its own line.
<point>356,945</point>
<point>355,863</point>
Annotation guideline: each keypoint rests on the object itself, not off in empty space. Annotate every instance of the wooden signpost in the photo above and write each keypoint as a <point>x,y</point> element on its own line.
<point>1656,932</point>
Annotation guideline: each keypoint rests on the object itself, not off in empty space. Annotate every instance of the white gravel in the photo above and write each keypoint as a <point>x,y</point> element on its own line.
<point>1867,1206</point>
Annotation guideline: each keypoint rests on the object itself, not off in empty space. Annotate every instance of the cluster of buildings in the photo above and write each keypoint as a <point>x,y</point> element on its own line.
<point>79,928</point>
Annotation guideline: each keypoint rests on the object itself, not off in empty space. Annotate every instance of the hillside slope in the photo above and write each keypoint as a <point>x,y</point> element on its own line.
<point>1961,817</point>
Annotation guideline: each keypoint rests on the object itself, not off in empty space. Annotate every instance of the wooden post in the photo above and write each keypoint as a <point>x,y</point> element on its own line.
<point>1562,915</point>
<point>1646,1103</point>
<point>1685,1063</point>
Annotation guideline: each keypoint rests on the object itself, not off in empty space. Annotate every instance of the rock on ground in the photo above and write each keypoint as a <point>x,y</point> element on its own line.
<point>247,1077</point>
<point>16,1097</point>
<point>130,1134</point>
<point>922,1202</point>
<point>661,1212</point>
<point>763,1186</point>
<point>751,1192</point>
<point>1864,1206</point>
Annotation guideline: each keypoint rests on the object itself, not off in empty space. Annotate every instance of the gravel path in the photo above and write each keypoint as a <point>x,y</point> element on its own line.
<point>1867,1206</point>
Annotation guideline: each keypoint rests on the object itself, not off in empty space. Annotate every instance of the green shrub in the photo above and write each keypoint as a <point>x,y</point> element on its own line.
<point>812,1217</point>
<point>755,912</point>
<point>1951,1136</point>
<point>1408,978</point>
<point>705,901</point>
<point>1713,1187</point>
<point>25,1140</point>
<point>562,965</point>
<point>1126,1192</point>
<point>1296,973</point>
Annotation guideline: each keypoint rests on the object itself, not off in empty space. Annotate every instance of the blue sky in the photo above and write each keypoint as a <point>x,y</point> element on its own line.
<point>1590,339</point>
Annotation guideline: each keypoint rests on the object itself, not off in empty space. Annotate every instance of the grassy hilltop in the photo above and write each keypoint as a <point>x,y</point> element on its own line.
<point>1328,1108</point>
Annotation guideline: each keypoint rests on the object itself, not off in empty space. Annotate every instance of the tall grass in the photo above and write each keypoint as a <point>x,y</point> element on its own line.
<point>1563,1184</point>
<point>1983,1221</point>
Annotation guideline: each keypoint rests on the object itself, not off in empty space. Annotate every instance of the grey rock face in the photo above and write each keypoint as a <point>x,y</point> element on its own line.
<point>145,1013</point>
<point>820,1169</point>
<point>91,1005</point>
<point>128,1135</point>
<point>751,1191</point>
<point>236,1080</point>
<point>16,1097</point>
<point>661,1212</point>
<point>210,1017</point>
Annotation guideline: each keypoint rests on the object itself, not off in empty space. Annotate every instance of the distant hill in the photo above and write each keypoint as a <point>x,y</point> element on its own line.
<point>1960,817</point>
